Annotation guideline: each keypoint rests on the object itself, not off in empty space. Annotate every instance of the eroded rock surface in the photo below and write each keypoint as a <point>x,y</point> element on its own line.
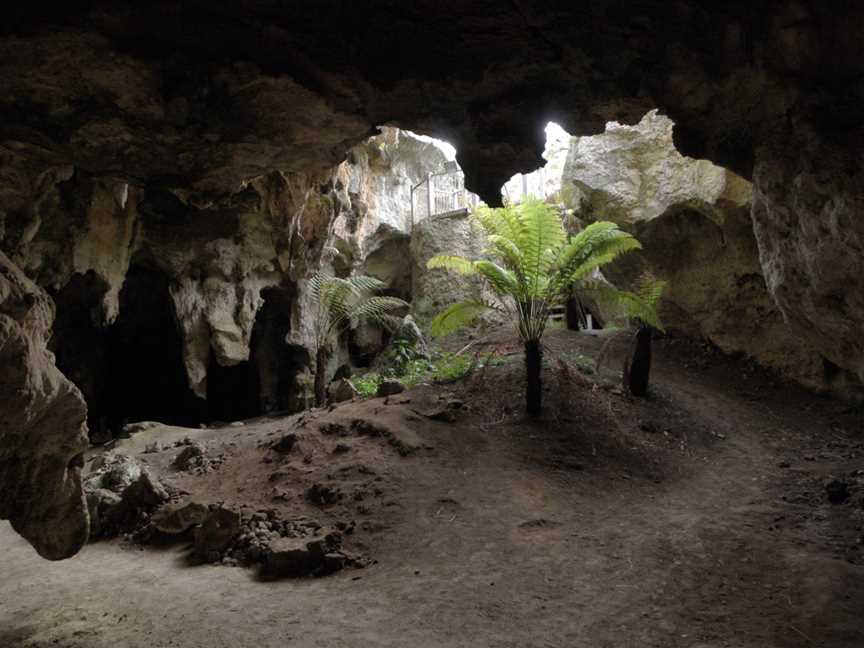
<point>694,221</point>
<point>43,433</point>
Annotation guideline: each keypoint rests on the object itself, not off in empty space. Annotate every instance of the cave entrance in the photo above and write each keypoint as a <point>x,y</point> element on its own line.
<point>146,376</point>
<point>133,369</point>
<point>233,393</point>
<point>279,365</point>
<point>80,345</point>
<point>272,379</point>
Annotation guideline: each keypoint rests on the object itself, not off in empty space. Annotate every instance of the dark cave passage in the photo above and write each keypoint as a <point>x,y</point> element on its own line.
<point>147,377</point>
<point>133,369</point>
<point>80,345</point>
<point>233,393</point>
<point>278,364</point>
<point>268,381</point>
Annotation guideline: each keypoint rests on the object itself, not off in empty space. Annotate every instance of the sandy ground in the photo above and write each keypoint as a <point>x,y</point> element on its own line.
<point>695,518</point>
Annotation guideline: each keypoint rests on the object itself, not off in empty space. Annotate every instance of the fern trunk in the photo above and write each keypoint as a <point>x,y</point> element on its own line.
<point>533,382</point>
<point>321,357</point>
<point>640,367</point>
<point>573,313</point>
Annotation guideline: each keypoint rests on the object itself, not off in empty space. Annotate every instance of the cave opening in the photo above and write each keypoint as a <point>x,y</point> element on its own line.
<point>130,370</point>
<point>233,392</point>
<point>146,376</point>
<point>80,345</point>
<point>279,365</point>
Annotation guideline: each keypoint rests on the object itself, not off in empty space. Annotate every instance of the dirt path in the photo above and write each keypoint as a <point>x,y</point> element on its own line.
<point>515,534</point>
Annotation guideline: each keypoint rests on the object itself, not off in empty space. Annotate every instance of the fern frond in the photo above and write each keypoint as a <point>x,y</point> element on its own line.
<point>363,284</point>
<point>376,309</point>
<point>503,222</point>
<point>623,303</point>
<point>458,315</point>
<point>502,281</point>
<point>596,245</point>
<point>507,250</point>
<point>453,263</point>
<point>540,232</point>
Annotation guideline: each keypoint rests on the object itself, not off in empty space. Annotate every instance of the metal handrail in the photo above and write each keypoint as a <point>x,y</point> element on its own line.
<point>441,198</point>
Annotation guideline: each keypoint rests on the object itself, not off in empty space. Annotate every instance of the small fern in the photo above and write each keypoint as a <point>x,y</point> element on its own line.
<point>345,303</point>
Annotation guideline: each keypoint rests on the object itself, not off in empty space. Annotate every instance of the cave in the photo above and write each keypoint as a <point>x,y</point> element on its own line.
<point>146,378</point>
<point>207,143</point>
<point>132,369</point>
<point>278,362</point>
<point>81,345</point>
<point>233,392</point>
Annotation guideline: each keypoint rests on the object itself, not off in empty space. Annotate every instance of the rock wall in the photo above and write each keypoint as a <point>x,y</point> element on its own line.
<point>808,225</point>
<point>434,290</point>
<point>81,237</point>
<point>43,434</point>
<point>694,221</point>
<point>217,286</point>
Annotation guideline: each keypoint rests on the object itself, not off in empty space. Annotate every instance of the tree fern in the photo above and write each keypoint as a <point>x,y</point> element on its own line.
<point>537,268</point>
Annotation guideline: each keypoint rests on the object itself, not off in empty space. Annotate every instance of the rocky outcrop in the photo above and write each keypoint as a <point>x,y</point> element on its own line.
<point>633,174</point>
<point>43,433</point>
<point>197,304</point>
<point>693,220</point>
<point>434,290</point>
<point>808,225</point>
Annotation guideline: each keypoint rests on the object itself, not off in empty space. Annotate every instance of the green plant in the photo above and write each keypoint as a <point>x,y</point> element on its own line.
<point>539,264</point>
<point>450,367</point>
<point>367,384</point>
<point>637,372</point>
<point>341,304</point>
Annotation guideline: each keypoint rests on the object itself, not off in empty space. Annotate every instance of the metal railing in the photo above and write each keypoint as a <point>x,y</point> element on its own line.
<point>440,193</point>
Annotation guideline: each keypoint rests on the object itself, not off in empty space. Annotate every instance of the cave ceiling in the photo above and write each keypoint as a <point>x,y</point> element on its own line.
<point>200,97</point>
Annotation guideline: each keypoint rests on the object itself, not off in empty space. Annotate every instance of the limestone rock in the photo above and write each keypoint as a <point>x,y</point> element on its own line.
<point>693,220</point>
<point>216,533</point>
<point>806,217</point>
<point>179,518</point>
<point>631,174</point>
<point>411,333</point>
<point>341,390</point>
<point>390,388</point>
<point>44,433</point>
<point>119,493</point>
<point>304,556</point>
<point>434,290</point>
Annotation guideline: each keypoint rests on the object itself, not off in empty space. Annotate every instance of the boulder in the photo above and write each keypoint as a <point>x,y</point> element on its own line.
<point>286,443</point>
<point>175,519</point>
<point>191,456</point>
<point>120,492</point>
<point>341,390</point>
<point>390,388</point>
<point>217,532</point>
<point>411,333</point>
<point>44,434</point>
<point>435,290</point>
<point>304,556</point>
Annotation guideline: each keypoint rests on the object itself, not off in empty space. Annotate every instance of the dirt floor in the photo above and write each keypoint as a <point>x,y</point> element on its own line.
<point>697,517</point>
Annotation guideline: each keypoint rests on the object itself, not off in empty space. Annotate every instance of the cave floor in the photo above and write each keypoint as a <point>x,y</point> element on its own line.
<point>697,517</point>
